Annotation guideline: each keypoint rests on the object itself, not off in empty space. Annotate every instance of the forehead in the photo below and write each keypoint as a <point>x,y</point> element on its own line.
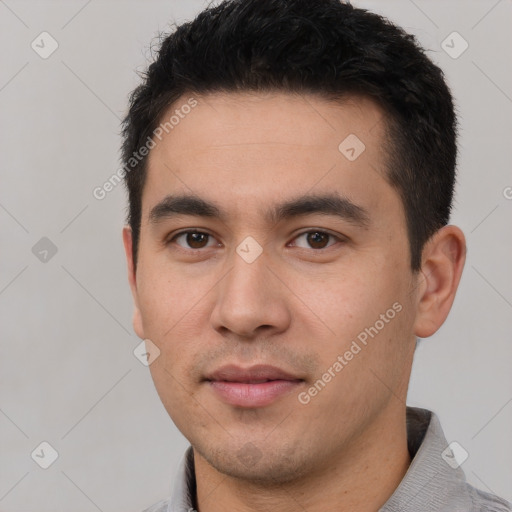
<point>245,148</point>
<point>273,117</point>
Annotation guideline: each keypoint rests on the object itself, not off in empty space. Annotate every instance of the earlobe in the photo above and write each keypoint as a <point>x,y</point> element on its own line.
<point>137,318</point>
<point>442,264</point>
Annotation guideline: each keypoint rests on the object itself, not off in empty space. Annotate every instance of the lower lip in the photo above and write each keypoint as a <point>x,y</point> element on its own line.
<point>253,395</point>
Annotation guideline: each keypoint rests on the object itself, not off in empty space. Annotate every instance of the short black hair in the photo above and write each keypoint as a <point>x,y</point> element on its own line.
<point>323,47</point>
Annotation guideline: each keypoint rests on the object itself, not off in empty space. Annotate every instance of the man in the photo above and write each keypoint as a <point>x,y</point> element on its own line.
<point>290,168</point>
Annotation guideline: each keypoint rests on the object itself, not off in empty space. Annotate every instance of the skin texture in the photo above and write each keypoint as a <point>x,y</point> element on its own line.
<point>296,307</point>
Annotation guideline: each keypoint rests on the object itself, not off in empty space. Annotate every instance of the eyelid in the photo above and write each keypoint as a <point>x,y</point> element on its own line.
<point>172,237</point>
<point>338,237</point>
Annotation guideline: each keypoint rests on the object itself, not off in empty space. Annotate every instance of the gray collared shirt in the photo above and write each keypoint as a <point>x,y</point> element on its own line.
<point>433,481</point>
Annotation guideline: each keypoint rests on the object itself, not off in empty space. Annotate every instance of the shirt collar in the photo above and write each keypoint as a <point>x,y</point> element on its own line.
<point>430,483</point>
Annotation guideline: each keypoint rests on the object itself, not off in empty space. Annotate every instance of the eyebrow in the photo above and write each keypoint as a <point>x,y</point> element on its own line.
<point>326,204</point>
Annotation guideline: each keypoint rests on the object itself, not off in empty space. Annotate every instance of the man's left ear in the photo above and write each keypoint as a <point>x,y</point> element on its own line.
<point>443,259</point>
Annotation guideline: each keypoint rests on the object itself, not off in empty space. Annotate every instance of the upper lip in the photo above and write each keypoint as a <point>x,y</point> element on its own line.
<point>260,372</point>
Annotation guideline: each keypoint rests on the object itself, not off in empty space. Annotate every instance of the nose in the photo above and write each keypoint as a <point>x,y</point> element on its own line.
<point>251,300</point>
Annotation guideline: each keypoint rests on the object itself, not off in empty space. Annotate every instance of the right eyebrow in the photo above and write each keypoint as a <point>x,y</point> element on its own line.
<point>171,206</point>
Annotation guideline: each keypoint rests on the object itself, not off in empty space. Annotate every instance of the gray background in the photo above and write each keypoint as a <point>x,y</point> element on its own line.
<point>68,375</point>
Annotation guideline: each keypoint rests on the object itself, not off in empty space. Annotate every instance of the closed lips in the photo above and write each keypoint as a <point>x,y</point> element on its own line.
<point>253,375</point>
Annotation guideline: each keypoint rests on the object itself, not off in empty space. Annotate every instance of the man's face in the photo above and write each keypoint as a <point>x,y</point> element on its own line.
<point>308,283</point>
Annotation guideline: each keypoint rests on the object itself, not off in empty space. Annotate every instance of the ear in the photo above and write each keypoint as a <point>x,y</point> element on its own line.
<point>137,317</point>
<point>443,259</point>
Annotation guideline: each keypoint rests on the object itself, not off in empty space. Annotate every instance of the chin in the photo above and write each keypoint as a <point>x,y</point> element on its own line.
<point>266,467</point>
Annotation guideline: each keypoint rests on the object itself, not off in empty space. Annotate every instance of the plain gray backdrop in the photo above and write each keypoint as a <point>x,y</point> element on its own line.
<point>68,375</point>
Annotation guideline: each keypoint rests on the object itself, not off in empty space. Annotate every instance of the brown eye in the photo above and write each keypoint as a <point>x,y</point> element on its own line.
<point>197,240</point>
<point>315,240</point>
<point>192,239</point>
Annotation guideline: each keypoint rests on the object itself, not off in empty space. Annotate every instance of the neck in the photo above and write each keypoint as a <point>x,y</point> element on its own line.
<point>359,478</point>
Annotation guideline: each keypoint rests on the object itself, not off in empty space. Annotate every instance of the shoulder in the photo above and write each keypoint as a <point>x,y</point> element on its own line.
<point>486,502</point>
<point>161,506</point>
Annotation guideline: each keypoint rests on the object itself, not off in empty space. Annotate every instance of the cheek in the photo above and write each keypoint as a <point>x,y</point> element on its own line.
<point>362,368</point>
<point>165,299</point>
<point>348,300</point>
<point>363,315</point>
<point>175,392</point>
<point>175,310</point>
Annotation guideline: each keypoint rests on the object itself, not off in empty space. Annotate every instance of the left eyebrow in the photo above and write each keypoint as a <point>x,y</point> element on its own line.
<point>326,204</point>
<point>330,204</point>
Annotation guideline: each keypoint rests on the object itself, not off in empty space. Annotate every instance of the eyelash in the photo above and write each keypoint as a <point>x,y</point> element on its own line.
<point>192,231</point>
